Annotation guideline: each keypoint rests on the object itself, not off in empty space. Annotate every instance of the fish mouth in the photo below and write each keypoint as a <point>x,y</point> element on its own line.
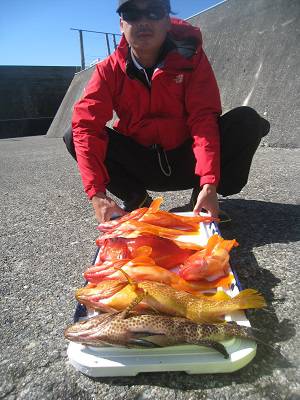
<point>98,292</point>
<point>80,326</point>
<point>74,332</point>
<point>82,332</point>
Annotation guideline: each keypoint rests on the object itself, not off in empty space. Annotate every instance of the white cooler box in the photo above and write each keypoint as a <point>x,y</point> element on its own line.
<point>117,361</point>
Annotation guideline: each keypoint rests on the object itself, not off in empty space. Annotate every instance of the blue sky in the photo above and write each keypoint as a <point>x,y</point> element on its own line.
<point>37,32</point>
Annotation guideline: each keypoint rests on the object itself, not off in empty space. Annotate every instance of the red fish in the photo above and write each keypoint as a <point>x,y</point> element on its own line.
<point>165,252</point>
<point>96,272</point>
<point>143,267</point>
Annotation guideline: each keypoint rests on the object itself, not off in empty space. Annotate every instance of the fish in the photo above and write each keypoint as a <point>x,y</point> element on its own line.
<point>132,229</point>
<point>98,297</point>
<point>126,329</point>
<point>212,261</point>
<point>152,221</point>
<point>101,297</point>
<point>164,252</point>
<point>161,218</point>
<point>110,226</point>
<point>114,249</point>
<point>200,267</point>
<point>95,273</point>
<point>144,268</point>
<point>167,300</point>
<point>154,216</point>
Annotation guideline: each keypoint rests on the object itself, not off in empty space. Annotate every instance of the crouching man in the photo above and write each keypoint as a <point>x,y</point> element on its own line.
<point>170,134</point>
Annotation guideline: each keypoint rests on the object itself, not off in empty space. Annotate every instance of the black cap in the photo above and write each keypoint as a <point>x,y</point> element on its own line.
<point>166,3</point>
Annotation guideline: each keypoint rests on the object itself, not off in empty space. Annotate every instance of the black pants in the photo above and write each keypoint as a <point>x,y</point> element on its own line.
<point>133,168</point>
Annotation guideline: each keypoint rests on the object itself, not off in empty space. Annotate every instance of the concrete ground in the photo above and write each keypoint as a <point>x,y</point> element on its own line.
<point>47,234</point>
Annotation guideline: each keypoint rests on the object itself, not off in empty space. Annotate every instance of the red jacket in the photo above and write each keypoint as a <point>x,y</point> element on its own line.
<point>183,101</point>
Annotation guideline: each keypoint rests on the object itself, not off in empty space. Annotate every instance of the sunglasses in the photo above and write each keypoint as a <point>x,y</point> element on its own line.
<point>151,13</point>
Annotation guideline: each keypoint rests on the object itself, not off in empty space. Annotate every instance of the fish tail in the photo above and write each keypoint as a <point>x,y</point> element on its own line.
<point>249,298</point>
<point>232,329</point>
<point>244,332</point>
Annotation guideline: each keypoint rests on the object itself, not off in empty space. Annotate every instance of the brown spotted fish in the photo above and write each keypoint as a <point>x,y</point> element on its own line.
<point>127,329</point>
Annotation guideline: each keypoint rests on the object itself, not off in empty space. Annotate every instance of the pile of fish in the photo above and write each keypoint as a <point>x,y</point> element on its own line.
<point>151,285</point>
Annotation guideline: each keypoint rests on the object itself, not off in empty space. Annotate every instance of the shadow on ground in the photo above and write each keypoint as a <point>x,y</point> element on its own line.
<point>254,224</point>
<point>257,223</point>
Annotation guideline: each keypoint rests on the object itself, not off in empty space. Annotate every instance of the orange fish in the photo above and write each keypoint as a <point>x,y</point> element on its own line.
<point>212,261</point>
<point>168,300</point>
<point>154,216</point>
<point>98,296</point>
<point>157,217</point>
<point>109,226</point>
<point>133,228</point>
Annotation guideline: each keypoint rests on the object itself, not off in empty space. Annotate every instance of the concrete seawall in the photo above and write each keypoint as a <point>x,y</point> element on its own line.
<point>30,97</point>
<point>254,49</point>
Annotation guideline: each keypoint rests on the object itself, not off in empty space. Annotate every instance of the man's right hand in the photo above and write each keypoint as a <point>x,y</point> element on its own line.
<point>105,207</point>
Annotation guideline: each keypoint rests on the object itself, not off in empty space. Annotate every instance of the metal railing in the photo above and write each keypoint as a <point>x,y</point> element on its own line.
<point>108,35</point>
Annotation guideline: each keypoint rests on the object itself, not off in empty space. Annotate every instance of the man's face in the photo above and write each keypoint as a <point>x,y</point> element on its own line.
<point>145,33</point>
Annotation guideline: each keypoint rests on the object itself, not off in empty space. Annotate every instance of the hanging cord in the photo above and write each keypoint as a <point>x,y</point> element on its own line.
<point>161,154</point>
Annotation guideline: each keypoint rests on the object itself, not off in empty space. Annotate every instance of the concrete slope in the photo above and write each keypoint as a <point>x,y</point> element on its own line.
<point>254,48</point>
<point>63,116</point>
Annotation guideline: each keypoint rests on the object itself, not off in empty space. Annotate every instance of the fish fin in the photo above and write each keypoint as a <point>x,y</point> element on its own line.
<point>249,298</point>
<point>210,320</point>
<point>156,339</point>
<point>212,242</point>
<point>219,296</point>
<point>143,251</point>
<point>124,314</point>
<point>130,281</point>
<point>214,345</point>
<point>156,312</point>
<point>142,343</point>
<point>142,259</point>
<point>229,244</point>
<point>155,205</point>
<point>161,340</point>
<point>188,245</point>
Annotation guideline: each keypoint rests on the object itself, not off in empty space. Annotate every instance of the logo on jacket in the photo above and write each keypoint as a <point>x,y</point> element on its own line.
<point>179,78</point>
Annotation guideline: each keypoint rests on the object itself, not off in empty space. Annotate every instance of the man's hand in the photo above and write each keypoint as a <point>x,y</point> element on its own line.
<point>208,200</point>
<point>105,208</point>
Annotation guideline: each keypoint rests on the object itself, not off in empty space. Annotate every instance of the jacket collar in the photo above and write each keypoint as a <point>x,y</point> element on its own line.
<point>132,65</point>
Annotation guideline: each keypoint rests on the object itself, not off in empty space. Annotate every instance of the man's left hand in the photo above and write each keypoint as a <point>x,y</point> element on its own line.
<point>208,200</point>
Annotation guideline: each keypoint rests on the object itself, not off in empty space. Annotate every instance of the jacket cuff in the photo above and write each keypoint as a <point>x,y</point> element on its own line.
<point>91,192</point>
<point>208,179</point>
